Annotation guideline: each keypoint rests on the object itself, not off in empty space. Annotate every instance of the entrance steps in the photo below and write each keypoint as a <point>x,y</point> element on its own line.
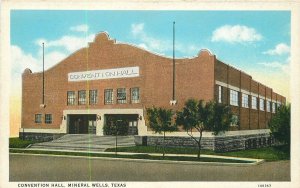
<point>82,142</point>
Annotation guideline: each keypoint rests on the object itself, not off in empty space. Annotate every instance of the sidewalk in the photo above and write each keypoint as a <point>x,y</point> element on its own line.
<point>250,161</point>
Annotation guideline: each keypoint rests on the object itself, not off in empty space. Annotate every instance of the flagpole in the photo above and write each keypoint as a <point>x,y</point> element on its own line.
<point>43,102</point>
<point>173,61</point>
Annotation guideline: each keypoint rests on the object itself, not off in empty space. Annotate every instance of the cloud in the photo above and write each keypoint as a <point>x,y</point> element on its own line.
<point>158,45</point>
<point>279,49</point>
<point>149,42</point>
<point>80,28</point>
<point>283,67</point>
<point>68,42</point>
<point>137,29</point>
<point>235,34</point>
<point>21,60</point>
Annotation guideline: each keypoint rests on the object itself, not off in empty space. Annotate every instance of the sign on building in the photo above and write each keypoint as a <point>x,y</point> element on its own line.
<point>125,72</point>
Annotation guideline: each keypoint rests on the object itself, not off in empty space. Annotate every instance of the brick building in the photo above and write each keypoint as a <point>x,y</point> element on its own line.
<point>109,79</point>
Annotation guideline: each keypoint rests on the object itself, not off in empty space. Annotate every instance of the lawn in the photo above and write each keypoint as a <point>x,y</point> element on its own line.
<point>19,143</point>
<point>269,154</point>
<point>274,153</point>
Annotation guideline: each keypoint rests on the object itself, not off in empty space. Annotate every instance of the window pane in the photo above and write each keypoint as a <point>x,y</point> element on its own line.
<point>254,102</point>
<point>234,98</point>
<point>268,106</point>
<point>273,107</point>
<point>245,101</point>
<point>135,95</point>
<point>108,96</point>
<point>38,118</point>
<point>48,118</point>
<point>121,95</point>
<point>262,104</point>
<point>93,96</point>
<point>71,98</point>
<point>220,94</point>
<point>82,97</point>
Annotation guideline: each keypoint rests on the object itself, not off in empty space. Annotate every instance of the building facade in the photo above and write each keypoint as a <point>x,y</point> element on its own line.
<point>109,80</point>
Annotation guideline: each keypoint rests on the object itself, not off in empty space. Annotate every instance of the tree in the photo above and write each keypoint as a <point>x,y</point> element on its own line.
<point>219,118</point>
<point>201,116</point>
<point>280,124</point>
<point>160,120</point>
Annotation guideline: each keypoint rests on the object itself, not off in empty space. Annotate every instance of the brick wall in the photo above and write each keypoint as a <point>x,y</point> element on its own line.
<point>232,78</point>
<point>194,79</point>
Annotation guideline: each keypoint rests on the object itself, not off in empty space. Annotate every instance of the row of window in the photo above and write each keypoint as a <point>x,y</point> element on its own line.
<point>108,96</point>
<point>234,100</point>
<point>38,118</point>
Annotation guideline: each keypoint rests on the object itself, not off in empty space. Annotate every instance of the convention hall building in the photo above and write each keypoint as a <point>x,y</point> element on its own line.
<point>108,79</point>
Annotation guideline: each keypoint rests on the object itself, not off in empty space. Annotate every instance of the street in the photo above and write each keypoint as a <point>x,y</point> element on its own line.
<point>60,168</point>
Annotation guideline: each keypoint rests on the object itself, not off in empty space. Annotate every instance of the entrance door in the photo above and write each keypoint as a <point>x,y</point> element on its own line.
<point>122,124</point>
<point>82,123</point>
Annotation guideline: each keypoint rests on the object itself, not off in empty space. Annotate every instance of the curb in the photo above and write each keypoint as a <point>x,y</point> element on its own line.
<point>254,161</point>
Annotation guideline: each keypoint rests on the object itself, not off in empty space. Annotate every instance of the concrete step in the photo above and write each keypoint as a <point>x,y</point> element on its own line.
<point>85,142</point>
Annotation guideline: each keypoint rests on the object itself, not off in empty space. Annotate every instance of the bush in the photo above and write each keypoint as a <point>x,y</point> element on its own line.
<point>280,124</point>
<point>18,143</point>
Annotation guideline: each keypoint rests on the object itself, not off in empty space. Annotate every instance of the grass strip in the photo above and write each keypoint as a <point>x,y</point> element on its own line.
<point>135,156</point>
<point>274,153</point>
<point>19,143</point>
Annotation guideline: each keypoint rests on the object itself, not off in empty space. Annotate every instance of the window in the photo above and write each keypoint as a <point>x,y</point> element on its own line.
<point>245,101</point>
<point>234,120</point>
<point>48,118</point>
<point>82,97</point>
<point>220,94</point>
<point>262,104</point>
<point>108,96</point>
<point>273,107</point>
<point>38,118</point>
<point>254,103</point>
<point>268,106</point>
<point>278,104</point>
<point>121,95</point>
<point>234,98</point>
<point>71,98</point>
<point>93,97</point>
<point>135,95</point>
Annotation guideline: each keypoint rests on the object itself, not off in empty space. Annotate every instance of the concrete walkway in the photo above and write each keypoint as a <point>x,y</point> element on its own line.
<point>85,143</point>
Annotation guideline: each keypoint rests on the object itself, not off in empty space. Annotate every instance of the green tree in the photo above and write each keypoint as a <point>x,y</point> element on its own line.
<point>201,116</point>
<point>219,118</point>
<point>280,124</point>
<point>160,121</point>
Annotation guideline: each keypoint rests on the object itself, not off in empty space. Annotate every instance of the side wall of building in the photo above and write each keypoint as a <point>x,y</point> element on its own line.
<point>250,115</point>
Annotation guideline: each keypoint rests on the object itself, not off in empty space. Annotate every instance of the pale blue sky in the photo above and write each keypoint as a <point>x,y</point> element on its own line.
<point>257,42</point>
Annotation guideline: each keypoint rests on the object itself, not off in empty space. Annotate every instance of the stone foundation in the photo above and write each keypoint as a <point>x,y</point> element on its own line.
<point>216,143</point>
<point>44,137</point>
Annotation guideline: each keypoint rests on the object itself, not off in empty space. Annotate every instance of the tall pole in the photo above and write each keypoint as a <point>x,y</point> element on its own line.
<point>43,102</point>
<point>173,61</point>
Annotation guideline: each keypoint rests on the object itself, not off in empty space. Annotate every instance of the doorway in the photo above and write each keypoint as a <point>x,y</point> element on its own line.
<point>122,124</point>
<point>82,123</point>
